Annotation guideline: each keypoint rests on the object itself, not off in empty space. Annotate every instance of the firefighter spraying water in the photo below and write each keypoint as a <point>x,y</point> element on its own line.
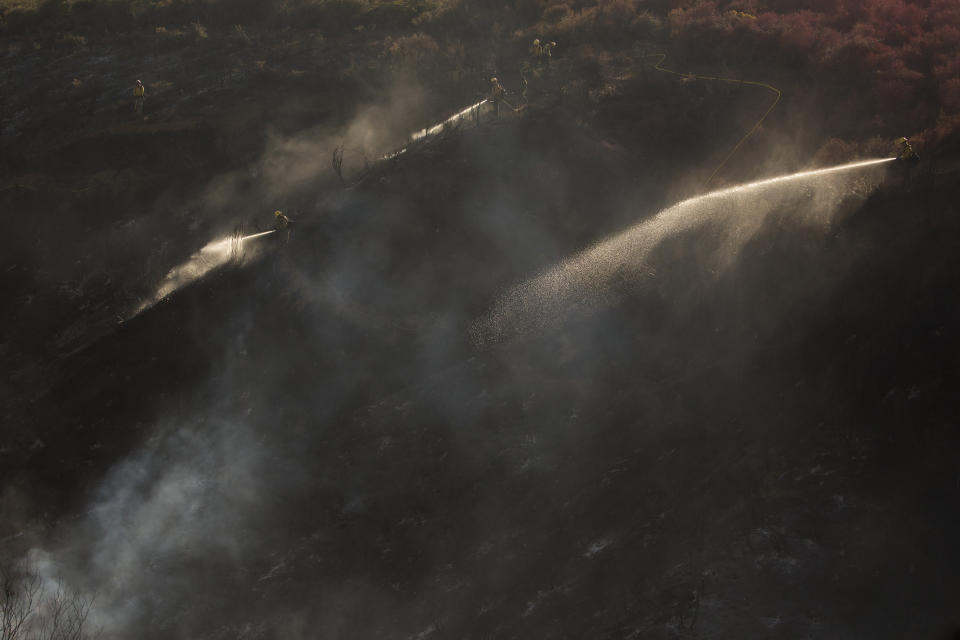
<point>282,225</point>
<point>905,152</point>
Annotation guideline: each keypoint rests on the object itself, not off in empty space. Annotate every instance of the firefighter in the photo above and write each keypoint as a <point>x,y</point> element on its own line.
<point>905,151</point>
<point>496,94</point>
<point>138,91</point>
<point>282,226</point>
<point>542,52</point>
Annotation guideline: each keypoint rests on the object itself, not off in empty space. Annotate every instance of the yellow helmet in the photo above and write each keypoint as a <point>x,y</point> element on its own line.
<point>493,79</point>
<point>536,41</point>
<point>278,213</point>
<point>902,140</point>
<point>553,44</point>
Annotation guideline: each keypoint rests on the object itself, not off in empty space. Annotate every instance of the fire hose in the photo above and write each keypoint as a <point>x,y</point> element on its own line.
<point>777,93</point>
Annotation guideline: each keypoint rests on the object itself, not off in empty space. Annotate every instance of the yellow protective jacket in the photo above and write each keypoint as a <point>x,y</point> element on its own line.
<point>138,91</point>
<point>906,151</point>
<point>496,90</point>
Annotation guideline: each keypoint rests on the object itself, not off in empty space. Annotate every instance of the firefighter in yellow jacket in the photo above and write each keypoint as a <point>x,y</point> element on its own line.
<point>138,91</point>
<point>905,151</point>
<point>542,51</point>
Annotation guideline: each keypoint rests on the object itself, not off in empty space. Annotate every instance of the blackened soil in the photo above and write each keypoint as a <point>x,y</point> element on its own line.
<point>769,455</point>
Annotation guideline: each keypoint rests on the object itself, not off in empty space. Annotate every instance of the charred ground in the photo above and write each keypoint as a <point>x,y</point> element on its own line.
<point>309,445</point>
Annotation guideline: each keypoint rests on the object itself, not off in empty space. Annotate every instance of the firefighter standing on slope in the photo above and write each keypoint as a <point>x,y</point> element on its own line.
<point>536,49</point>
<point>542,52</point>
<point>548,51</point>
<point>282,223</point>
<point>138,91</point>
<point>496,94</point>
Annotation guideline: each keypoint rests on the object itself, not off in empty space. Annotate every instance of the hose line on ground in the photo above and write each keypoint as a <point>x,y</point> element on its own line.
<point>513,108</point>
<point>777,93</point>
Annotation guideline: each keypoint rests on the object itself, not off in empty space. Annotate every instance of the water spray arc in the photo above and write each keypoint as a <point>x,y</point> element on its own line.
<point>584,280</point>
<point>461,118</point>
<point>257,235</point>
<point>211,256</point>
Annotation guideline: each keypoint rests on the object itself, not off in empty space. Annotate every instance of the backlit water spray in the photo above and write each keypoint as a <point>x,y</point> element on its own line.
<point>211,256</point>
<point>460,118</point>
<point>590,278</point>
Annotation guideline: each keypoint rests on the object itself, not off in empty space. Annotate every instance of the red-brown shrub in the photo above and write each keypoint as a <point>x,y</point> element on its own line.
<point>891,63</point>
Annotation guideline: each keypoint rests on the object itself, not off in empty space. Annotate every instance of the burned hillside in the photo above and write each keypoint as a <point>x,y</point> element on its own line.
<point>659,343</point>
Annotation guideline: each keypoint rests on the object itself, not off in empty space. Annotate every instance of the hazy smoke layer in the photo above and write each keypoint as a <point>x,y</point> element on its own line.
<point>291,163</point>
<point>164,516</point>
<point>592,277</point>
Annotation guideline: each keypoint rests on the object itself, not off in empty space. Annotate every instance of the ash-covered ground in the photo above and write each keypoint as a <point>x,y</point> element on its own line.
<point>396,424</point>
